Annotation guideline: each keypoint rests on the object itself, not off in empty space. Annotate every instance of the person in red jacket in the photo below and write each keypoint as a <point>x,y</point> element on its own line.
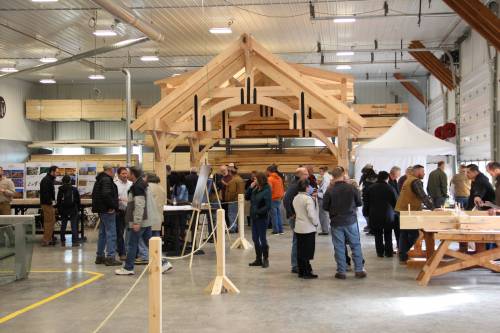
<point>277,193</point>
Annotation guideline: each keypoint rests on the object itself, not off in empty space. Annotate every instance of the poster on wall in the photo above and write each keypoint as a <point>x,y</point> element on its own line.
<point>15,172</point>
<point>35,171</point>
<point>65,168</point>
<point>87,171</point>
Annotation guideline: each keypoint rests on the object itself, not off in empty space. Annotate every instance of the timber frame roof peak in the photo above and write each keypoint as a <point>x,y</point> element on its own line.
<point>247,82</point>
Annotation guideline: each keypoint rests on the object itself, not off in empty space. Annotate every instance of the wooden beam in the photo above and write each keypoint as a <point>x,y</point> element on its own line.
<point>480,18</point>
<point>433,65</point>
<point>380,109</point>
<point>329,144</point>
<point>411,88</point>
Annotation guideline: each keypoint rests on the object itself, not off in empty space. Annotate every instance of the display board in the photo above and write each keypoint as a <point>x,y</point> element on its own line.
<point>15,172</point>
<point>87,171</point>
<point>65,168</point>
<point>35,171</point>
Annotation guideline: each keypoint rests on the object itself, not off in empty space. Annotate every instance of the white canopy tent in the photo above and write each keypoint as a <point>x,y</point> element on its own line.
<point>404,144</point>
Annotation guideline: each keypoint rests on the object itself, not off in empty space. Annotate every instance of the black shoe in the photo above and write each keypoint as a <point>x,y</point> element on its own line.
<point>52,243</point>
<point>323,234</point>
<point>340,276</point>
<point>255,263</point>
<point>112,262</point>
<point>265,256</point>
<point>75,244</point>
<point>63,244</point>
<point>99,260</point>
<point>265,263</point>
<point>310,276</point>
<point>389,255</point>
<point>295,270</point>
<point>275,233</point>
<point>380,255</point>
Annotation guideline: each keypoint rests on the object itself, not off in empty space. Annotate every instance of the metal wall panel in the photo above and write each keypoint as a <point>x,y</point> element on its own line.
<point>72,130</point>
<point>476,115</point>
<point>107,130</point>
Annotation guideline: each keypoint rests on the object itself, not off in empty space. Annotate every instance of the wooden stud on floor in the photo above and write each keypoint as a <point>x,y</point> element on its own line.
<point>155,288</point>
<point>221,283</point>
<point>241,242</point>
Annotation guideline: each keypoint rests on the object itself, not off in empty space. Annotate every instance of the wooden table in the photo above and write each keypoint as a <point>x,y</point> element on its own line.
<point>436,266</point>
<point>20,207</point>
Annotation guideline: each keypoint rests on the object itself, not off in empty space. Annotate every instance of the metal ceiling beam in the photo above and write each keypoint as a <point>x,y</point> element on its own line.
<point>382,16</point>
<point>50,44</point>
<point>88,54</point>
<point>125,15</point>
<point>479,17</point>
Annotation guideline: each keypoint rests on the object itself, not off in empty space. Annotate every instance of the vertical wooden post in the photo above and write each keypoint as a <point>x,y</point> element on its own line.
<point>343,136</point>
<point>221,283</point>
<point>155,288</point>
<point>241,242</point>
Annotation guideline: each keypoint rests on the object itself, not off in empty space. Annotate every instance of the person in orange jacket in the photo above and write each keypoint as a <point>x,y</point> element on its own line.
<point>277,193</point>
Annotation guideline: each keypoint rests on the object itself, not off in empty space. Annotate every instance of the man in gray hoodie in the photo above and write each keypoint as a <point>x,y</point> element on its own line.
<point>136,217</point>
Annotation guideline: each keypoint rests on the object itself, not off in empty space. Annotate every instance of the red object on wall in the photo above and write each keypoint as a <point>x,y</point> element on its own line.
<point>439,132</point>
<point>450,130</point>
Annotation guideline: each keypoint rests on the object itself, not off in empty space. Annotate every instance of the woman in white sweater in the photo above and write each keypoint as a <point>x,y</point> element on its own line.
<point>306,223</point>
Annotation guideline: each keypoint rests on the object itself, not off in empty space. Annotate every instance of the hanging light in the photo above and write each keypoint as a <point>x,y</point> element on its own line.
<point>48,59</point>
<point>344,20</point>
<point>104,33</point>
<point>150,58</point>
<point>47,81</point>
<point>9,70</point>
<point>343,67</point>
<point>97,77</point>
<point>345,54</point>
<point>221,30</point>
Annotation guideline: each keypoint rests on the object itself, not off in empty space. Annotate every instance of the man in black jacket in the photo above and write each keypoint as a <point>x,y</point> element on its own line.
<point>481,189</point>
<point>105,202</point>
<point>68,203</point>
<point>47,202</point>
<point>394,175</point>
<point>291,192</point>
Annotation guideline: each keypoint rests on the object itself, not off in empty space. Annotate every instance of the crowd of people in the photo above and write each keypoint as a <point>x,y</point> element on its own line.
<point>130,208</point>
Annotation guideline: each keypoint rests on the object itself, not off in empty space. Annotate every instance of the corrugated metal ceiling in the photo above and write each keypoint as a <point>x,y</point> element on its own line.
<point>284,27</point>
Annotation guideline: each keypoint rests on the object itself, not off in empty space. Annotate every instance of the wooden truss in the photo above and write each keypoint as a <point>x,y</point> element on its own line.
<point>247,83</point>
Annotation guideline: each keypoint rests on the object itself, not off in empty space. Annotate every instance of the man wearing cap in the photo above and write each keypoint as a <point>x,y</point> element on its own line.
<point>105,203</point>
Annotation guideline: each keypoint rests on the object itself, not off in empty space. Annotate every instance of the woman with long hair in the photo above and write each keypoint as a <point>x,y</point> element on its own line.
<point>259,194</point>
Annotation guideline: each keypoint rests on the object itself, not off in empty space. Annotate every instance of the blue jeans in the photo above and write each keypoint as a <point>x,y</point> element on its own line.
<point>133,244</point>
<point>462,201</point>
<point>276,216</point>
<point>143,250</point>
<point>341,236</point>
<point>107,235</point>
<point>259,229</point>
<point>232,211</point>
<point>291,222</point>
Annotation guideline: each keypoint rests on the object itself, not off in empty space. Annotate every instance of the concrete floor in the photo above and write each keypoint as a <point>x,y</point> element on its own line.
<point>271,300</point>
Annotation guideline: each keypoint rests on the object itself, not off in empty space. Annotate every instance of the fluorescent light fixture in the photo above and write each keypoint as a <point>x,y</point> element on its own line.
<point>97,77</point>
<point>104,33</point>
<point>344,20</point>
<point>44,0</point>
<point>344,54</point>
<point>175,74</point>
<point>9,70</point>
<point>343,67</point>
<point>224,30</point>
<point>47,81</point>
<point>149,58</point>
<point>48,59</point>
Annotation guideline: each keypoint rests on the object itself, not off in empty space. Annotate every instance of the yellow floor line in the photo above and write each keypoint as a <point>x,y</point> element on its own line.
<point>96,276</point>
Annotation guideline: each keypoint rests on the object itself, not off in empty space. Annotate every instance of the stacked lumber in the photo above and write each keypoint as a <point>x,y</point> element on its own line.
<point>287,161</point>
<point>77,109</point>
<point>379,118</point>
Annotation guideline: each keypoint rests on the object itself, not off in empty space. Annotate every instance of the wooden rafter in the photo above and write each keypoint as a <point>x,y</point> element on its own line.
<point>411,88</point>
<point>433,65</point>
<point>479,17</point>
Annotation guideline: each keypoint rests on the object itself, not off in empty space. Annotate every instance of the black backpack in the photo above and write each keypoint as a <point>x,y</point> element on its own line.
<point>68,199</point>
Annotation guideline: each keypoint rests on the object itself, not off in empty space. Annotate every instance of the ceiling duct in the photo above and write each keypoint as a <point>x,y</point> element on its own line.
<point>126,16</point>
